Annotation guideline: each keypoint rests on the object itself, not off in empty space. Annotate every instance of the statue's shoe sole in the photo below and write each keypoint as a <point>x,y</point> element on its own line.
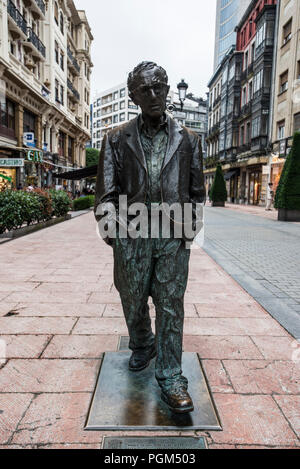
<point>177,410</point>
<point>143,367</point>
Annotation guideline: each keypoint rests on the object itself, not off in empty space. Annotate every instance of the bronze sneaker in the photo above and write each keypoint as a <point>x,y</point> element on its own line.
<point>140,359</point>
<point>178,399</point>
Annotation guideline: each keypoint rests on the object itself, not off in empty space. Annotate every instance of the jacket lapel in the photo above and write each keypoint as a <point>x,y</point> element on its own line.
<point>134,142</point>
<point>174,140</point>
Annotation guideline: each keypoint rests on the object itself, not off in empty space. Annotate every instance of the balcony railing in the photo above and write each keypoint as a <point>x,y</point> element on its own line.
<point>73,60</point>
<point>16,16</point>
<point>41,6</point>
<point>246,109</point>
<point>74,91</point>
<point>34,39</point>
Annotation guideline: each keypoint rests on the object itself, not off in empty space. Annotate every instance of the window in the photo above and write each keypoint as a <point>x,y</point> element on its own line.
<point>70,147</point>
<point>56,14</point>
<point>61,143</point>
<point>284,82</point>
<point>298,70</point>
<point>116,107</point>
<point>287,32</point>
<point>122,92</point>
<point>122,117</point>
<point>116,95</point>
<point>250,90</point>
<point>62,61</point>
<point>242,135</point>
<point>122,105</point>
<point>281,130</point>
<point>61,23</point>
<point>132,115</point>
<point>297,122</point>
<point>131,104</point>
<point>260,35</point>
<point>7,118</point>
<point>116,119</point>
<point>258,81</point>
<point>29,120</point>
<point>256,127</point>
<point>61,94</point>
<point>56,91</point>
<point>56,53</point>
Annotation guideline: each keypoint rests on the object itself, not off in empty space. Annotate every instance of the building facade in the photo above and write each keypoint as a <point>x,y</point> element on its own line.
<point>286,114</point>
<point>228,15</point>
<point>240,107</point>
<point>111,108</point>
<point>193,115</point>
<point>45,67</point>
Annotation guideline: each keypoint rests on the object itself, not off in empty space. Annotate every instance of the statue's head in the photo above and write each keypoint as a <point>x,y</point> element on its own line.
<point>148,88</point>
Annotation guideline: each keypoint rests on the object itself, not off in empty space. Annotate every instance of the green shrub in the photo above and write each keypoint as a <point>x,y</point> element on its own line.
<point>45,202</point>
<point>84,202</point>
<point>61,203</point>
<point>288,191</point>
<point>17,208</point>
<point>218,191</point>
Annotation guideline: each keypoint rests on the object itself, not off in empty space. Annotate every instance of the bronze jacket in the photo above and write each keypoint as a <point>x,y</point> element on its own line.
<point>122,168</point>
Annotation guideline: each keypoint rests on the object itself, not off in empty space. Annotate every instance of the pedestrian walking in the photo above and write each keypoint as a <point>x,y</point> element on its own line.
<point>270,197</point>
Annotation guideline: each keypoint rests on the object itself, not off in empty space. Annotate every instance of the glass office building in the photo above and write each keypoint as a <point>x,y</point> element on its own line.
<point>229,13</point>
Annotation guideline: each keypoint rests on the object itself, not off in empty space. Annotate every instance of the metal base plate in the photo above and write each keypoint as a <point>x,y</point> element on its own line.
<point>181,442</point>
<point>124,400</point>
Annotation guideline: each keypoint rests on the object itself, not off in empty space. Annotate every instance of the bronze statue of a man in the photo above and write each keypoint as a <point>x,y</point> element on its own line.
<point>152,160</point>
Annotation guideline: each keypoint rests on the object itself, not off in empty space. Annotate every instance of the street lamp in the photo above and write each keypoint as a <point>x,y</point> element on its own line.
<point>182,89</point>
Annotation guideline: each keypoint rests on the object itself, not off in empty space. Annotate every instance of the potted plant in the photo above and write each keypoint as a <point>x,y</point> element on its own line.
<point>287,199</point>
<point>218,192</point>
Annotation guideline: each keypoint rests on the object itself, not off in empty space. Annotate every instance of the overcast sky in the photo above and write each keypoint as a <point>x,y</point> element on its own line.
<point>177,34</point>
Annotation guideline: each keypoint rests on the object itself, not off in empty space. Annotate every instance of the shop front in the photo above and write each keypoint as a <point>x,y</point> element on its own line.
<point>10,172</point>
<point>255,186</point>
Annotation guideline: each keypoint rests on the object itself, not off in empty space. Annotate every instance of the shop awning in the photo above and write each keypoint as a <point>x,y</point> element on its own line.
<point>78,174</point>
<point>230,174</point>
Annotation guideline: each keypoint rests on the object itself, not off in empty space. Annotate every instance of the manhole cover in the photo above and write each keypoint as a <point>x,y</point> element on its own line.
<point>154,443</point>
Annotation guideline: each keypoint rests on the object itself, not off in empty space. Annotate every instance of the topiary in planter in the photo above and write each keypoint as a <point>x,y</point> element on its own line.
<point>287,198</point>
<point>61,203</point>
<point>84,202</point>
<point>218,192</point>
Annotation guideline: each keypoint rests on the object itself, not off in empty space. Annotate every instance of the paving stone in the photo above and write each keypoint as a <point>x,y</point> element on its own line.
<point>229,309</point>
<point>216,375</point>
<point>58,309</point>
<point>264,377</point>
<point>56,418</point>
<point>290,406</point>
<point>226,326</point>
<point>280,348</point>
<point>81,346</point>
<point>101,326</point>
<point>218,347</point>
<point>24,346</point>
<point>12,408</point>
<point>252,420</point>
<point>18,376</point>
<point>18,325</point>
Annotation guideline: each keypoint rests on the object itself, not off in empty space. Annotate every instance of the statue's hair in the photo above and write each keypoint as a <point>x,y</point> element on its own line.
<point>141,67</point>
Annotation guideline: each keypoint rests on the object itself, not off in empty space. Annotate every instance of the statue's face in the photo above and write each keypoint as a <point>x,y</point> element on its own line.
<point>151,93</point>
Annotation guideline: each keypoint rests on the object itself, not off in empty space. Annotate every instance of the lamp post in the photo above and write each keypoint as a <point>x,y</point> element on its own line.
<point>182,89</point>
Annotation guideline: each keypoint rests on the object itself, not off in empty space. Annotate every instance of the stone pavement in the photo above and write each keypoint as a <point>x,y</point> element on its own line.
<point>262,255</point>
<point>59,312</point>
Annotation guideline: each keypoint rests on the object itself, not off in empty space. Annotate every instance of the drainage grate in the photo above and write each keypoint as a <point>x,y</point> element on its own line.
<point>123,343</point>
<point>154,443</point>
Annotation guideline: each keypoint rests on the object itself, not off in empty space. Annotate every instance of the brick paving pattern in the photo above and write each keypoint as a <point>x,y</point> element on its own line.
<point>59,312</point>
<point>265,249</point>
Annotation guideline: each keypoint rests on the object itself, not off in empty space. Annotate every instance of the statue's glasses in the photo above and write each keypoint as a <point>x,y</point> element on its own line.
<point>158,88</point>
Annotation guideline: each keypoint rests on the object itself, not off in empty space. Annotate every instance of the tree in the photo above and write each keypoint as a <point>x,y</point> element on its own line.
<point>92,157</point>
<point>218,192</point>
<point>288,191</point>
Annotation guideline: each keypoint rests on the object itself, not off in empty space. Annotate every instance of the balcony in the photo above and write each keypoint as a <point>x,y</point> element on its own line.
<point>34,44</point>
<point>37,8</point>
<point>18,25</point>
<point>244,148</point>
<point>246,109</point>
<point>73,61</point>
<point>75,93</point>
<point>216,101</point>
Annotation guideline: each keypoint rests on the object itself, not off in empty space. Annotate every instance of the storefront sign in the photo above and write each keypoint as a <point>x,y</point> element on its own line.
<point>28,139</point>
<point>11,162</point>
<point>36,156</point>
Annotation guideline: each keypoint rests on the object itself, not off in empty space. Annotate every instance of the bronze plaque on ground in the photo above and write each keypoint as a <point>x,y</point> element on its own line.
<point>124,400</point>
<point>171,442</point>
